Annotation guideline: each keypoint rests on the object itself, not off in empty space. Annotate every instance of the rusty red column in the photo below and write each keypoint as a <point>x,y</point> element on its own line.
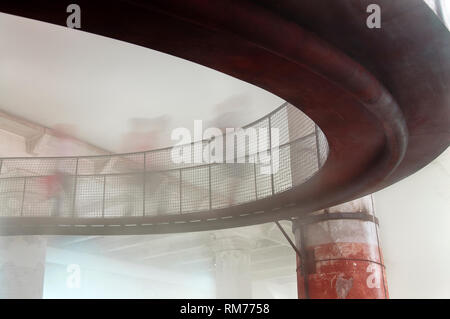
<point>341,253</point>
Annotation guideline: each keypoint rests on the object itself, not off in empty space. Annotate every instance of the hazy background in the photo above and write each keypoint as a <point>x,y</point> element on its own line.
<point>50,75</point>
<point>415,232</point>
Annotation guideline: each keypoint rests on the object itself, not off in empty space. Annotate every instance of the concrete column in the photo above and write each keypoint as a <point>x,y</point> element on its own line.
<point>232,266</point>
<point>341,252</point>
<point>22,262</point>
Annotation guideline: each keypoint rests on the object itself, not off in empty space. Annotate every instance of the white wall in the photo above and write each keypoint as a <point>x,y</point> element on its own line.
<point>415,232</point>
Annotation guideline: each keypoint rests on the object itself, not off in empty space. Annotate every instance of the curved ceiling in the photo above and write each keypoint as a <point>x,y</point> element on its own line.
<point>51,74</point>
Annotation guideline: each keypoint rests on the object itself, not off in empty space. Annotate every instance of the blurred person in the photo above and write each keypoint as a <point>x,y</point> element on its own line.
<point>223,120</point>
<point>147,134</point>
<point>58,184</point>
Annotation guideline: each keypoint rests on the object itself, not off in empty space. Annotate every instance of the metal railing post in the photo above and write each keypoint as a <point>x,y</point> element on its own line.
<point>103,199</point>
<point>210,190</point>
<point>75,188</point>
<point>254,173</point>
<point>212,139</point>
<point>180,188</point>
<point>23,196</point>
<point>316,133</point>
<point>270,148</point>
<point>143,185</point>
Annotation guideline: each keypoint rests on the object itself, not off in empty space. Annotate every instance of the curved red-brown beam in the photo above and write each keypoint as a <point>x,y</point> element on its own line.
<point>409,55</point>
<point>274,48</point>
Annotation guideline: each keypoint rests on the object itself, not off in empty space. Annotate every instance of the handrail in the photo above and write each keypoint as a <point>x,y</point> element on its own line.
<point>121,186</point>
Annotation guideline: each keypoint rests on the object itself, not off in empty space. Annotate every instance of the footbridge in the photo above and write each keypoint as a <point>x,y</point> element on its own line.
<point>365,108</point>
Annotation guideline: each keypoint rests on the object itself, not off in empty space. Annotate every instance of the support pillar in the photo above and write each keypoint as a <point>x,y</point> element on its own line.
<point>232,266</point>
<point>22,265</point>
<point>341,252</point>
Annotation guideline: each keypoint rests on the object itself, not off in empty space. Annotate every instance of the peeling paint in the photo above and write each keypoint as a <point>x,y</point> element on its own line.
<point>343,286</point>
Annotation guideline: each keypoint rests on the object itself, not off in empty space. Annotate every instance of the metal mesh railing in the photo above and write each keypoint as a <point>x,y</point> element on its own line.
<point>151,183</point>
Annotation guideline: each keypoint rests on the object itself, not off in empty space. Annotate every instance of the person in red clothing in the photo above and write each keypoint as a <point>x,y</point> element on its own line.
<point>57,185</point>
